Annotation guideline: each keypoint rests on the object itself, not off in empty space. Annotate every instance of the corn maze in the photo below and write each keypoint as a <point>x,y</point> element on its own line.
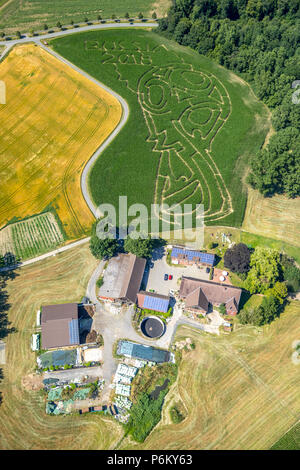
<point>184,109</point>
<point>31,237</point>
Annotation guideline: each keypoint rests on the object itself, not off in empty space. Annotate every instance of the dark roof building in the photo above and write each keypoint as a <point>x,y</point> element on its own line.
<point>153,301</point>
<point>185,256</point>
<point>140,351</point>
<point>122,278</point>
<point>198,294</point>
<point>60,326</point>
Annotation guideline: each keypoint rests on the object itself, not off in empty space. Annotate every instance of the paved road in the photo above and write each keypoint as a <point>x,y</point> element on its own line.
<point>25,38</point>
<point>93,158</point>
<point>47,255</point>
<point>119,326</point>
<point>71,374</point>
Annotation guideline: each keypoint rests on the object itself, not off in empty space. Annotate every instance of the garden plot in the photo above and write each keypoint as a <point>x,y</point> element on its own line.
<point>31,237</point>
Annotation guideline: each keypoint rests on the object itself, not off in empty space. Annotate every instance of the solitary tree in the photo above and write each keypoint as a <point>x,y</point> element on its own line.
<point>127,15</point>
<point>113,16</point>
<point>140,15</point>
<point>58,24</point>
<point>99,17</point>
<point>45,27</point>
<point>86,20</point>
<point>154,15</point>
<point>237,258</point>
<point>18,34</point>
<point>2,34</point>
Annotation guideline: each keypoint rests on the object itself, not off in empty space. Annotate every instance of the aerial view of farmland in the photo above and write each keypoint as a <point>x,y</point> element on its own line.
<point>149,229</point>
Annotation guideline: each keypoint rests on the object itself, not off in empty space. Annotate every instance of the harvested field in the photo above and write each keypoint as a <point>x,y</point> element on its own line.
<point>277,217</point>
<point>243,392</point>
<point>17,15</point>
<point>31,237</point>
<point>23,422</point>
<point>52,123</point>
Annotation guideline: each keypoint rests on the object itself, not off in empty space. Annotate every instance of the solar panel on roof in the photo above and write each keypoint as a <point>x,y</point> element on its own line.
<point>190,254</point>
<point>73,332</point>
<point>155,303</point>
<point>144,352</point>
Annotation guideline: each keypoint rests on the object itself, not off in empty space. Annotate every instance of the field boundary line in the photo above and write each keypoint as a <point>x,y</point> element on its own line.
<point>113,134</point>
<point>46,255</point>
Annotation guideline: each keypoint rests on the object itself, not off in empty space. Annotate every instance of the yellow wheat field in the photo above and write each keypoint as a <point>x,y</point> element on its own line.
<point>52,123</point>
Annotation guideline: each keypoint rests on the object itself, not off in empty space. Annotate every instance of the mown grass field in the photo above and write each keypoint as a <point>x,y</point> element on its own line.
<point>243,392</point>
<point>17,15</point>
<point>23,422</point>
<point>52,123</point>
<point>213,234</point>
<point>31,237</point>
<point>290,441</point>
<point>191,128</point>
<point>275,217</point>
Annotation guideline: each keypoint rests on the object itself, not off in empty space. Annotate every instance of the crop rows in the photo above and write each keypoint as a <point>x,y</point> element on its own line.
<point>190,126</point>
<point>31,237</point>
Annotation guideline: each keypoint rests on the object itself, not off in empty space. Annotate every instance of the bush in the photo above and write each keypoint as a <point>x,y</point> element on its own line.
<point>175,415</point>
<point>268,310</point>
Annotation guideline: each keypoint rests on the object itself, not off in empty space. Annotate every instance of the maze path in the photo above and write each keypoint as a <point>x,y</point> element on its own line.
<point>184,110</point>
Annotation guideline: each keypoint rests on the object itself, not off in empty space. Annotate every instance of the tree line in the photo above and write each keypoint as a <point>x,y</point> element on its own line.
<point>259,40</point>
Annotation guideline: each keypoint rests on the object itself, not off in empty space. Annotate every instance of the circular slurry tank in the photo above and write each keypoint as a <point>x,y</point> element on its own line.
<point>152,327</point>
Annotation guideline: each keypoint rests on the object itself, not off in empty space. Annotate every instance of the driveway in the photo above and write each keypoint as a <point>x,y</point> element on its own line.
<point>74,374</point>
<point>154,279</point>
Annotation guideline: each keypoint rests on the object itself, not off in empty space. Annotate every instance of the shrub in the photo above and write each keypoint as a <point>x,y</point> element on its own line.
<point>99,282</point>
<point>175,415</point>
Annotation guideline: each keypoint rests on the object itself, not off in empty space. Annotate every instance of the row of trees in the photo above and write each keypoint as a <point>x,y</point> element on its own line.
<point>259,40</point>
<point>107,247</point>
<point>86,20</point>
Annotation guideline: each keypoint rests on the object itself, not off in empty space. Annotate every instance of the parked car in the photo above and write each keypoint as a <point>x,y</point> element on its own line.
<point>207,270</point>
<point>166,277</point>
<point>170,277</point>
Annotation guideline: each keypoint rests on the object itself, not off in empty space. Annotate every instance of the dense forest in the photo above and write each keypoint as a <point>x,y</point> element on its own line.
<point>259,40</point>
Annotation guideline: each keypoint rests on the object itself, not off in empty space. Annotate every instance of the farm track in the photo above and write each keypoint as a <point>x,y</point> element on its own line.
<point>69,171</point>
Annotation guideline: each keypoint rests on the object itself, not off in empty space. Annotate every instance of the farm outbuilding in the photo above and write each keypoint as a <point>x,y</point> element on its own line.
<point>60,326</point>
<point>153,301</point>
<point>122,278</point>
<point>140,351</point>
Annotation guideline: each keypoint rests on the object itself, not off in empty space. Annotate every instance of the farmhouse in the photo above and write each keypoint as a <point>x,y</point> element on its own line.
<point>199,295</point>
<point>60,326</point>
<point>153,301</point>
<point>122,278</point>
<point>186,257</point>
<point>140,351</point>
